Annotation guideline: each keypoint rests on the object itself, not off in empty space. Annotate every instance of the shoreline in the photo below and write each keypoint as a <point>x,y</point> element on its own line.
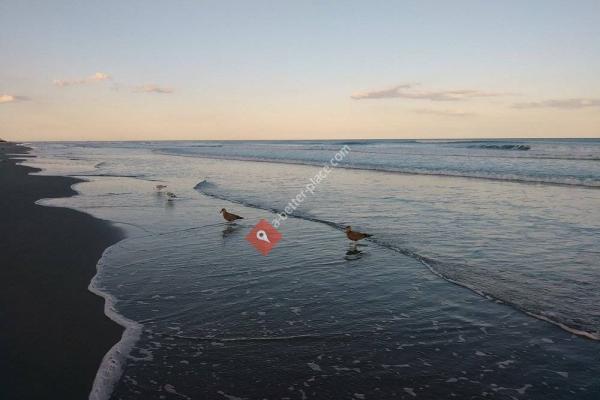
<point>112,366</point>
<point>55,333</point>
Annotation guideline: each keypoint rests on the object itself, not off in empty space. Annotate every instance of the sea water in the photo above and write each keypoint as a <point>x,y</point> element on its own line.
<point>481,279</point>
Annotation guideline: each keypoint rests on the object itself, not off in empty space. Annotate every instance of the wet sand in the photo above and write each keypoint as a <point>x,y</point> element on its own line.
<point>53,331</point>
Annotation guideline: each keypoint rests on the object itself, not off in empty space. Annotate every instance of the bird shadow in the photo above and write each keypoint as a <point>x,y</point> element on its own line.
<point>230,230</point>
<point>353,253</point>
<point>169,204</point>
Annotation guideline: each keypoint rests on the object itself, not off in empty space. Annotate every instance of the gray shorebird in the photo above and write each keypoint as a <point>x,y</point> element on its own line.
<point>229,217</point>
<point>171,196</point>
<point>354,235</point>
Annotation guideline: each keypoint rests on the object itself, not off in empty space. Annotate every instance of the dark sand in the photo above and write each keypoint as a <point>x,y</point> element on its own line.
<point>53,331</point>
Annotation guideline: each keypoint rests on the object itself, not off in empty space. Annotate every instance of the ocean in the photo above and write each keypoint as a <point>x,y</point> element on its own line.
<point>481,279</point>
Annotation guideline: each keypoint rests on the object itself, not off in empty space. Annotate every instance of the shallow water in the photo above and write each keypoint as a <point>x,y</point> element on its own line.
<point>319,319</point>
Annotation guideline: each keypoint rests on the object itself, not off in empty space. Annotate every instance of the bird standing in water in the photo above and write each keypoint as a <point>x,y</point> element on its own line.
<point>229,217</point>
<point>354,235</point>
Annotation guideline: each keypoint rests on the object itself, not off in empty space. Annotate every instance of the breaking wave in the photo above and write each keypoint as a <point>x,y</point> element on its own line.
<point>521,147</point>
<point>582,179</point>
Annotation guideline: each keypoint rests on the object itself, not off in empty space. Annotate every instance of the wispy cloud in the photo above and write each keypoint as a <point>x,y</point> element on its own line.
<point>102,76</point>
<point>10,98</point>
<point>382,94</point>
<point>566,104</point>
<point>97,77</point>
<point>151,88</point>
<point>445,113</point>
<point>411,91</point>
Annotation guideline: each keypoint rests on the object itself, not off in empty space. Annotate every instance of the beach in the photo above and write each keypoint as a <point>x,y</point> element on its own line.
<point>53,333</point>
<point>300,200</point>
<point>480,278</point>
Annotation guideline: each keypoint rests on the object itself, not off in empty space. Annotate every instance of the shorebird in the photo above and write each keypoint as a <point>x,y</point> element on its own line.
<point>354,235</point>
<point>171,196</point>
<point>229,217</point>
<point>160,187</point>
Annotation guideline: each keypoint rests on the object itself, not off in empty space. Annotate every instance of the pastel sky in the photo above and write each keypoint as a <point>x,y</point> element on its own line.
<point>139,70</point>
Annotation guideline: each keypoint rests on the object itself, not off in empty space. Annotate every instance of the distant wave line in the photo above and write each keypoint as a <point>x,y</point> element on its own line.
<point>522,180</point>
<point>527,157</point>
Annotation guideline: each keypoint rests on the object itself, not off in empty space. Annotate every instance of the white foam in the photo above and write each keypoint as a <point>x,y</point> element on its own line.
<point>229,396</point>
<point>314,367</point>
<point>296,310</point>
<point>171,389</point>
<point>506,363</point>
<point>523,389</point>
<point>111,367</point>
<point>386,366</point>
<point>346,369</point>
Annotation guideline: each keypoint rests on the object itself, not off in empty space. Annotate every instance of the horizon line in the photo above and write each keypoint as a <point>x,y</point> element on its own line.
<point>304,140</point>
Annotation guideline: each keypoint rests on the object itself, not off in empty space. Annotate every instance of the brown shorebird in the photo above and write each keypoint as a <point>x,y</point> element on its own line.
<point>354,235</point>
<point>160,187</point>
<point>229,217</point>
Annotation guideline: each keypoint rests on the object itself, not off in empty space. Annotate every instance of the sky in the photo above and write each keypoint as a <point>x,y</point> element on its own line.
<point>150,70</point>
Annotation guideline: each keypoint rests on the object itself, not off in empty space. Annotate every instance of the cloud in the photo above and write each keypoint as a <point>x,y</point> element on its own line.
<point>9,98</point>
<point>97,77</point>
<point>101,76</point>
<point>408,91</point>
<point>151,88</point>
<point>381,94</point>
<point>445,113</point>
<point>565,104</point>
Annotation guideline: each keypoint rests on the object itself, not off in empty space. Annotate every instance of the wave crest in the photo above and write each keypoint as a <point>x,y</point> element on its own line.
<point>520,147</point>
